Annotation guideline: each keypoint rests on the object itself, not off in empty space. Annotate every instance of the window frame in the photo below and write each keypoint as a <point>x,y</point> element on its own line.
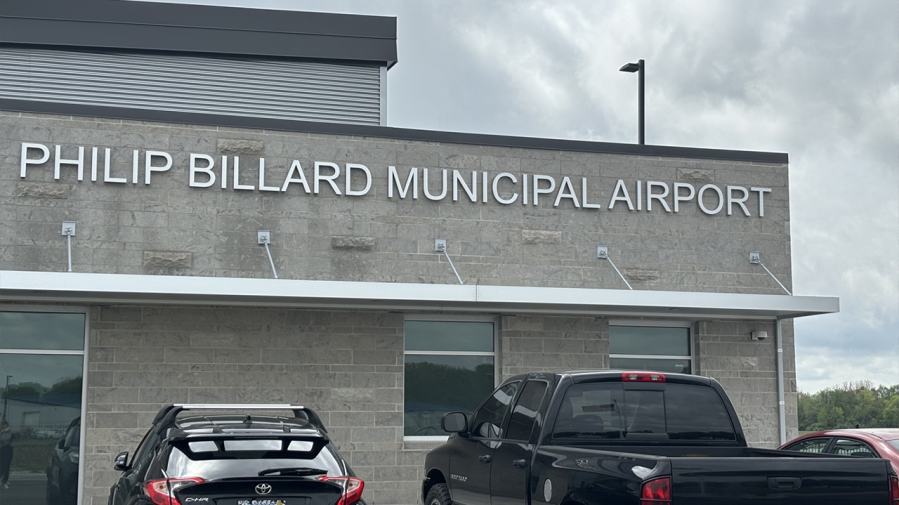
<point>452,318</point>
<point>507,416</point>
<point>828,439</point>
<point>831,449</point>
<point>85,352</point>
<point>646,323</point>
<point>516,400</point>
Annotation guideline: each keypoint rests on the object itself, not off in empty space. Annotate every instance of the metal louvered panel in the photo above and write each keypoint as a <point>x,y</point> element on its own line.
<point>305,91</point>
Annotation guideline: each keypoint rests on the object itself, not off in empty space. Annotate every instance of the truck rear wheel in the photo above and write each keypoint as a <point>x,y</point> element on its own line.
<point>438,495</point>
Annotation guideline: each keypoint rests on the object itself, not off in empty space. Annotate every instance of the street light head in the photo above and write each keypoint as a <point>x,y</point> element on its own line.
<point>630,67</point>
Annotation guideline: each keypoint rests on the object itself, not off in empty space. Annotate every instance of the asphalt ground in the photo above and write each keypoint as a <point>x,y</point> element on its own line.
<point>27,489</point>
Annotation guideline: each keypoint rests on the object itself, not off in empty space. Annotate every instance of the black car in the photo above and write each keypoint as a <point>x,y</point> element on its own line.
<point>235,457</point>
<point>62,467</point>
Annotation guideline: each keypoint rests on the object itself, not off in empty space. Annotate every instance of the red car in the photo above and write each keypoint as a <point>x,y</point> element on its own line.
<point>862,443</point>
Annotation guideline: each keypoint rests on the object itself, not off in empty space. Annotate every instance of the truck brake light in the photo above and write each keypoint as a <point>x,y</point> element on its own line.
<point>656,492</point>
<point>894,490</point>
<point>642,377</point>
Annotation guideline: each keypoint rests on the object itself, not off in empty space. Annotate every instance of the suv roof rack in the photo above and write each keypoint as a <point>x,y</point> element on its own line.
<point>167,414</point>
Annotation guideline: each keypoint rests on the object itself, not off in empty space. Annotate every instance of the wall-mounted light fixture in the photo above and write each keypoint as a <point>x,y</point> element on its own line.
<point>440,246</point>
<point>68,231</point>
<point>264,237</point>
<point>755,258</point>
<point>602,252</point>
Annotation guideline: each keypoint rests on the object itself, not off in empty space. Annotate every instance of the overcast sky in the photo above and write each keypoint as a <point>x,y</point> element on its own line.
<point>816,79</point>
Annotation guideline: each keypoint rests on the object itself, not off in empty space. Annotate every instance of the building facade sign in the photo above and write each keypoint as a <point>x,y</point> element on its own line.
<point>355,180</point>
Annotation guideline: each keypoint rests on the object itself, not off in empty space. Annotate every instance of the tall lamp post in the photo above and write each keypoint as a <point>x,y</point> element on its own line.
<point>638,67</point>
<point>6,396</point>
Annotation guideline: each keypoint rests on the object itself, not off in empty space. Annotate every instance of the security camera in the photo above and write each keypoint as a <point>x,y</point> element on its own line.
<point>759,335</point>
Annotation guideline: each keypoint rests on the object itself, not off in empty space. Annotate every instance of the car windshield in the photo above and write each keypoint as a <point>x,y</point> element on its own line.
<point>894,443</point>
<point>244,464</point>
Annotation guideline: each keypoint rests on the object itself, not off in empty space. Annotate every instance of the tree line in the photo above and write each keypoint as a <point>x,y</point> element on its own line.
<point>850,405</point>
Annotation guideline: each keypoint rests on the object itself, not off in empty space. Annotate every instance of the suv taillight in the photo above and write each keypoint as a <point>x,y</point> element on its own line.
<point>894,491</point>
<point>656,492</point>
<point>162,491</point>
<point>352,488</point>
<point>642,377</point>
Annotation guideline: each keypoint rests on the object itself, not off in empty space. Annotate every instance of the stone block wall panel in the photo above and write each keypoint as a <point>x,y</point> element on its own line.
<point>391,238</point>
<point>747,370</point>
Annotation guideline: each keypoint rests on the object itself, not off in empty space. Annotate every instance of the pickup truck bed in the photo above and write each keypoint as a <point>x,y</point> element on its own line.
<point>750,476</point>
<point>625,438</point>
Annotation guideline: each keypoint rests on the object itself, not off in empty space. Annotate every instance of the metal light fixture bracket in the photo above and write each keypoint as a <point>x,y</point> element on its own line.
<point>68,231</point>
<point>264,237</point>
<point>602,252</point>
<point>440,246</point>
<point>755,258</point>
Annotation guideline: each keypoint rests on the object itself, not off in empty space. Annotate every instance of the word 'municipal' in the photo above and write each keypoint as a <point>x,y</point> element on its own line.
<point>355,179</point>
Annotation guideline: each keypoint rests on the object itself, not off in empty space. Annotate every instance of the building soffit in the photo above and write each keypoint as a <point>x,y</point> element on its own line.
<point>93,289</point>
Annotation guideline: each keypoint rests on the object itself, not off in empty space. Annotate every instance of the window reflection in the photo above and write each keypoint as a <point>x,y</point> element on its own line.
<point>42,330</point>
<point>41,392</point>
<point>435,385</point>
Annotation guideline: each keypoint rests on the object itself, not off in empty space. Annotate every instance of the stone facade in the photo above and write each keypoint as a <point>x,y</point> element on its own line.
<point>169,228</point>
<point>349,368</point>
<point>348,365</point>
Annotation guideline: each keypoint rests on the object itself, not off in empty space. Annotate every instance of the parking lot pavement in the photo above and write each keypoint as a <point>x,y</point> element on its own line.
<point>30,489</point>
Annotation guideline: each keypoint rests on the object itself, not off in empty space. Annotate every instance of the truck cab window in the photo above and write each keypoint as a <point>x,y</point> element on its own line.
<point>524,415</point>
<point>488,420</point>
<point>696,412</point>
<point>606,411</point>
<point>645,411</point>
<point>591,411</point>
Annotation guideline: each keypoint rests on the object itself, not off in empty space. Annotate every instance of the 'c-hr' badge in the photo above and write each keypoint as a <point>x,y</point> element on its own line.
<point>263,489</point>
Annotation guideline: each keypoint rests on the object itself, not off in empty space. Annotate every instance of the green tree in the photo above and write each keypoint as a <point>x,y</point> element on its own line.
<point>25,390</point>
<point>889,417</point>
<point>66,387</point>
<point>831,417</point>
<point>808,407</point>
<point>849,405</point>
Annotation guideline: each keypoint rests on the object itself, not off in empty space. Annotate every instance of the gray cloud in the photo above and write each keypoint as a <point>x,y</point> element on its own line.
<point>816,79</point>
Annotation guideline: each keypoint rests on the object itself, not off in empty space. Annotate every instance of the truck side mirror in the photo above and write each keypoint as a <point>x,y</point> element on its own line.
<point>454,422</point>
<point>121,462</point>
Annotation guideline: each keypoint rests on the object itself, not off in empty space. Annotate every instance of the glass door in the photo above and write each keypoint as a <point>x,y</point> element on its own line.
<point>42,363</point>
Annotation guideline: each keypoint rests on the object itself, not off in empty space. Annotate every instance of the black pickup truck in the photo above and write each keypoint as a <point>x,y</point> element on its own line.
<point>630,438</point>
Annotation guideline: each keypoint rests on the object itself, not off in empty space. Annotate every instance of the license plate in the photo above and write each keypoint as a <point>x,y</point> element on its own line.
<point>262,501</point>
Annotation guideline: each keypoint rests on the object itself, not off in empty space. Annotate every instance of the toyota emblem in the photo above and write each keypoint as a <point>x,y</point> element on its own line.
<point>263,489</point>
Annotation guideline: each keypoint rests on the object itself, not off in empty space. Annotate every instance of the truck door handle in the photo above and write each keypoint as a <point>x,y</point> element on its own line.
<point>784,482</point>
<point>520,463</point>
<point>485,458</point>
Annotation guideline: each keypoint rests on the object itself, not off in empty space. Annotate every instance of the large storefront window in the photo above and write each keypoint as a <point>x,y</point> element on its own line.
<point>449,366</point>
<point>634,346</point>
<point>42,374</point>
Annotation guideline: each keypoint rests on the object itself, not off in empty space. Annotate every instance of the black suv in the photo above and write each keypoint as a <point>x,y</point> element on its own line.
<point>235,459</point>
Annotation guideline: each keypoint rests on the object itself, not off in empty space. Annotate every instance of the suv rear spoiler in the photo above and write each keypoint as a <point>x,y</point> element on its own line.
<point>169,412</point>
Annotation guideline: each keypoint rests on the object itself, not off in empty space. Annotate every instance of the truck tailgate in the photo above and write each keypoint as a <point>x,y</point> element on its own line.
<point>794,481</point>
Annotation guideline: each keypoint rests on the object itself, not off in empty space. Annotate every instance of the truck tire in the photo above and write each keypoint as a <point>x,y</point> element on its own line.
<point>438,495</point>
